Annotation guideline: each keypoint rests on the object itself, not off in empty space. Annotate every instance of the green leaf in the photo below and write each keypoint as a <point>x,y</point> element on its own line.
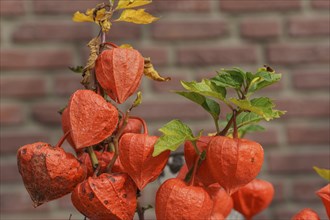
<point>246,118</point>
<point>132,3</point>
<point>232,78</point>
<point>263,79</point>
<point>77,69</point>
<point>209,105</point>
<point>242,131</point>
<point>136,16</point>
<point>138,100</point>
<point>324,173</point>
<point>205,88</point>
<point>175,133</point>
<point>262,106</point>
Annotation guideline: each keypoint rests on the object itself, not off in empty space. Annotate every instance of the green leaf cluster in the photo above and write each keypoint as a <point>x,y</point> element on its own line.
<point>208,93</point>
<point>175,133</point>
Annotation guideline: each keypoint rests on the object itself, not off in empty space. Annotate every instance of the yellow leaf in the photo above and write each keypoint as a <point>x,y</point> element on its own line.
<point>132,3</point>
<point>128,46</point>
<point>89,16</point>
<point>136,16</point>
<point>324,173</point>
<point>81,17</point>
<point>150,72</point>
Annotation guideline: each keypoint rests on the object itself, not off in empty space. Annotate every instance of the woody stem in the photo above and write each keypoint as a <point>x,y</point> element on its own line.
<point>116,142</point>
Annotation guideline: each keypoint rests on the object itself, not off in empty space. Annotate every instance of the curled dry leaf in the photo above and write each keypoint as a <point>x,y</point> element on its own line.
<point>48,172</point>
<point>324,194</point>
<point>150,71</point>
<point>119,72</point>
<point>108,196</point>
<point>234,162</point>
<point>176,200</point>
<point>253,197</point>
<point>222,202</point>
<point>94,46</point>
<point>92,118</point>
<point>306,214</point>
<point>104,159</point>
<point>202,173</point>
<point>135,151</point>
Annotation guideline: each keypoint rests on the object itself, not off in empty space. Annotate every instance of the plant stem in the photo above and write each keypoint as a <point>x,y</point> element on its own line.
<point>63,138</point>
<point>192,181</point>
<point>225,130</point>
<point>195,147</point>
<point>93,157</point>
<point>116,142</point>
<point>140,211</point>
<point>216,124</point>
<point>235,133</point>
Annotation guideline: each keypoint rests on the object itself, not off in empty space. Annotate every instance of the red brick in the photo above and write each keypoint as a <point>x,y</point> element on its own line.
<point>260,29</point>
<point>9,173</point>
<point>265,138</point>
<point>313,80</point>
<point>10,142</point>
<point>217,55</point>
<point>180,6</point>
<point>257,5</point>
<point>192,30</point>
<point>65,85</point>
<point>63,6</point>
<point>158,55</point>
<point>11,8</point>
<point>170,110</point>
<point>11,114</point>
<point>295,163</point>
<point>22,87</point>
<point>302,107</point>
<point>305,190</point>
<point>19,203</point>
<point>305,27</point>
<point>288,54</point>
<point>47,113</point>
<point>279,187</point>
<point>13,59</point>
<point>299,135</point>
<point>321,4</point>
<point>59,31</point>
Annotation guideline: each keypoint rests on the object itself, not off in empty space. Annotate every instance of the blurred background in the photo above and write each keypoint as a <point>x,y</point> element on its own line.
<point>192,40</point>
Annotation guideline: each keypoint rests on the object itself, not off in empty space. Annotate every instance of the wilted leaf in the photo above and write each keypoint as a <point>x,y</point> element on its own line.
<point>209,105</point>
<point>77,69</point>
<point>132,3</point>
<point>150,71</point>
<point>93,45</point>
<point>136,16</point>
<point>324,173</point>
<point>205,88</point>
<point>175,133</point>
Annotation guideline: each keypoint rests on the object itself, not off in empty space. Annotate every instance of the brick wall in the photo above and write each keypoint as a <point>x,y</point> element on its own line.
<point>193,39</point>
